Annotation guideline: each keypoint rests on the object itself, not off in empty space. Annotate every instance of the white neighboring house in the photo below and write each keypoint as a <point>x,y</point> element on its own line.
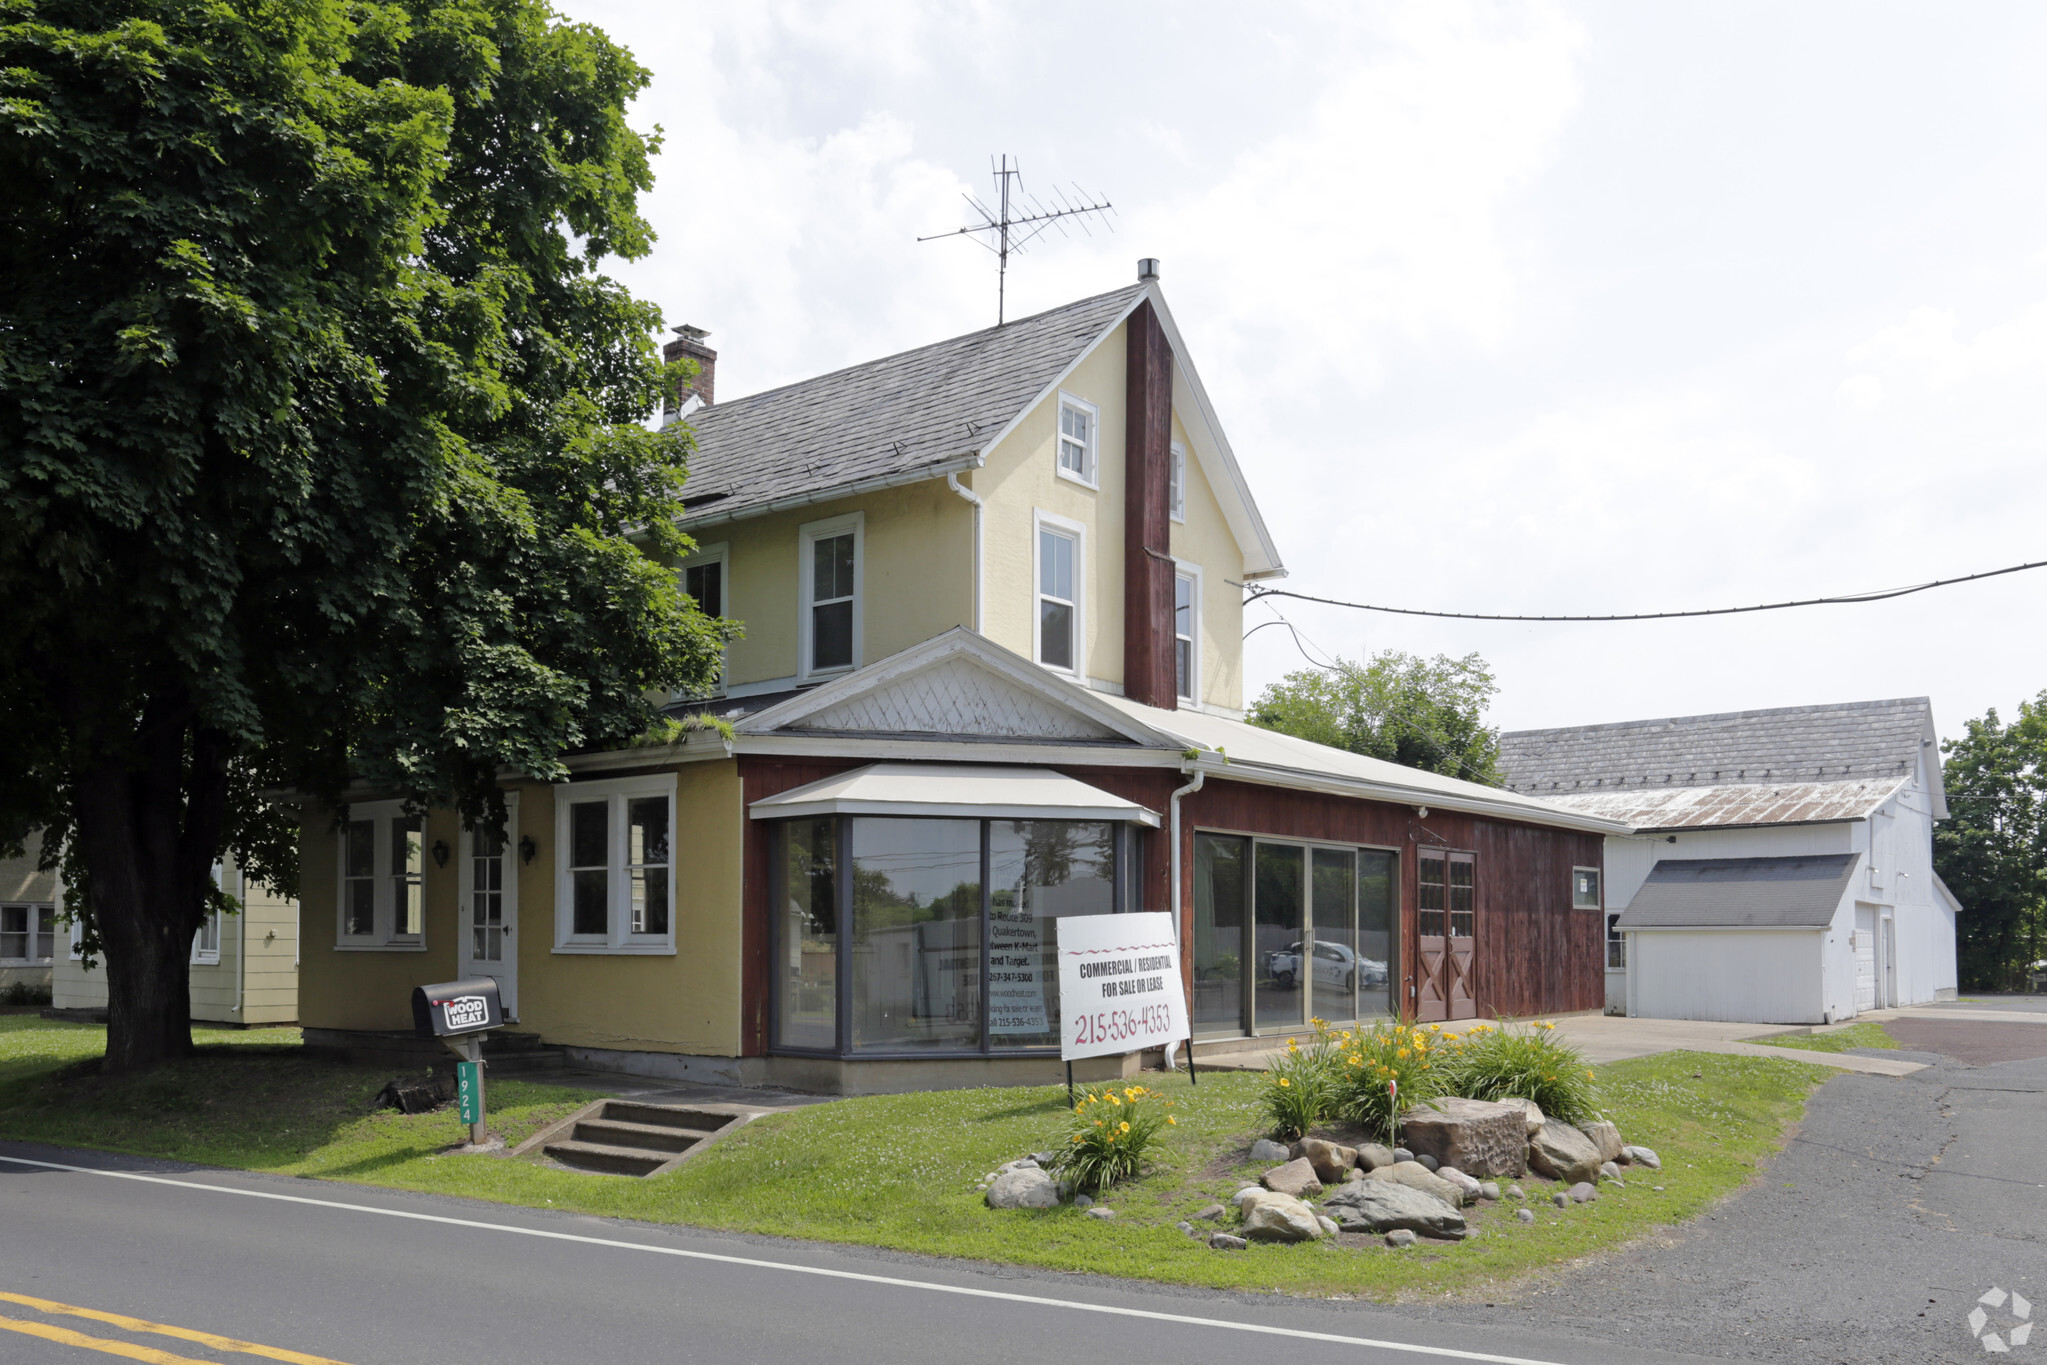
<point>1781,868</point>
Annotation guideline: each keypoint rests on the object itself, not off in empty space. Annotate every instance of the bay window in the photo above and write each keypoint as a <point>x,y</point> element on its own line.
<point>614,892</point>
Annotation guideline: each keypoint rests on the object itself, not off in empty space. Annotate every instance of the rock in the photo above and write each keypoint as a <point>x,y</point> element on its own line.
<point>1642,1156</point>
<point>1296,1178</point>
<point>1273,1217</point>
<point>1489,1190</point>
<point>1381,1205</point>
<point>1237,1199</point>
<point>1042,1158</point>
<point>1561,1152</point>
<point>1401,1237</point>
<point>1584,1192</point>
<point>1525,1215</point>
<point>1025,1189</point>
<point>1618,1183</point>
<point>1402,1154</point>
<point>1328,1227</point>
<point>1657,1188</point>
<point>1466,1183</point>
<point>1610,1171</point>
<point>1222,1241</point>
<point>1352,1174</point>
<point>1023,1164</point>
<point>1082,1201</point>
<point>1516,1192</point>
<point>1426,1161</point>
<point>1371,1156</point>
<point>1185,1227</point>
<point>1531,1113</point>
<point>1605,1137</point>
<point>1329,1160</point>
<point>1211,1212</point>
<point>1265,1151</point>
<point>1099,1212</point>
<point>1561,1200</point>
<point>1478,1137</point>
<point>1415,1176</point>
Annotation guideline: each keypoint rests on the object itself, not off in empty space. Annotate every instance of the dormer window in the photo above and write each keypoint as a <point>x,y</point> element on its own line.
<point>1078,422</point>
<point>1176,483</point>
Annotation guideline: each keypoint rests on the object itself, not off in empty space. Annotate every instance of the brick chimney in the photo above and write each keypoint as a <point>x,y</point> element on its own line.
<point>1148,666</point>
<point>689,345</point>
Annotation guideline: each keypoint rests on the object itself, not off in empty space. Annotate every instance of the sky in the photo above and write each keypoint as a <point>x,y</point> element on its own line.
<point>1554,309</point>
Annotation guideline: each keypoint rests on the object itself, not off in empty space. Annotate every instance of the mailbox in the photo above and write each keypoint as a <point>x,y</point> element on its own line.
<point>454,1008</point>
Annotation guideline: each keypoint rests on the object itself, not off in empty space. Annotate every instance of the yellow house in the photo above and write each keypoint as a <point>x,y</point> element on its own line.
<point>992,675</point>
<point>28,927</point>
<point>244,967</point>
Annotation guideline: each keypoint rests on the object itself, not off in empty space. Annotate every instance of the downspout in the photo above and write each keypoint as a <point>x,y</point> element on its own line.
<point>1173,820</point>
<point>952,481</point>
<point>242,940</point>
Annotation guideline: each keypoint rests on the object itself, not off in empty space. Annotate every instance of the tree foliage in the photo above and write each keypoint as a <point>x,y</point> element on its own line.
<point>1423,713</point>
<point>322,452</point>
<point>1992,850</point>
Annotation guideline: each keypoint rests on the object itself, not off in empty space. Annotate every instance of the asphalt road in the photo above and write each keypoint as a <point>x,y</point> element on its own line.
<point>318,1272</point>
<point>1898,1203</point>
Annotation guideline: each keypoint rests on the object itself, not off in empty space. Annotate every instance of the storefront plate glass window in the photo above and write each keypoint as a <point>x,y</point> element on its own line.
<point>916,948</point>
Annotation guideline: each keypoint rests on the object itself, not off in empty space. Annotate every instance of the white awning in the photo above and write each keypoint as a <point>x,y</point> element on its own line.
<point>954,791</point>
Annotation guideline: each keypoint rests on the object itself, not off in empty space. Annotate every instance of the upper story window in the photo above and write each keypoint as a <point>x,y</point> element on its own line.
<point>1059,585</point>
<point>703,578</point>
<point>1186,625</point>
<point>1079,421</point>
<point>383,870</point>
<point>1585,888</point>
<point>27,932</point>
<point>1176,482</point>
<point>830,574</point>
<point>614,888</point>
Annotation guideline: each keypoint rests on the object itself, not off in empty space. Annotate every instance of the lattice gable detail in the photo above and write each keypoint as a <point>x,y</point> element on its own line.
<point>955,696</point>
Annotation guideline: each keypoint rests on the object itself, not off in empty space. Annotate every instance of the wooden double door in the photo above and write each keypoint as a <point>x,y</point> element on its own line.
<point>1446,929</point>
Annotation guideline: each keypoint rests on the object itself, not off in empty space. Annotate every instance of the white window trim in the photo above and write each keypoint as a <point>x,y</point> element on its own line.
<point>1598,881</point>
<point>35,914</point>
<point>1182,569</point>
<point>1090,477</point>
<point>620,940</point>
<point>465,882</point>
<point>807,535</point>
<point>1176,483</point>
<point>721,554</point>
<point>380,939</point>
<point>1042,520</point>
<point>202,957</point>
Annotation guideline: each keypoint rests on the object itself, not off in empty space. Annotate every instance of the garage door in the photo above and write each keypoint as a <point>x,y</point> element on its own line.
<point>1865,957</point>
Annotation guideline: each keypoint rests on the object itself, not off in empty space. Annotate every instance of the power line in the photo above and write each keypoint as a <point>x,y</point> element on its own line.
<point>1876,595</point>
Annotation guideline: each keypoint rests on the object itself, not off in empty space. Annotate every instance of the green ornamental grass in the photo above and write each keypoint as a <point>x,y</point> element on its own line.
<point>1529,1062</point>
<point>1111,1132</point>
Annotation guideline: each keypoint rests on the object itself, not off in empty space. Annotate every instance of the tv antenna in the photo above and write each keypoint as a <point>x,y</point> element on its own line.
<point>1019,217</point>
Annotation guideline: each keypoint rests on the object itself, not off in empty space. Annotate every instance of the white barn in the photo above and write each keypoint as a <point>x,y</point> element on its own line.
<point>1781,868</point>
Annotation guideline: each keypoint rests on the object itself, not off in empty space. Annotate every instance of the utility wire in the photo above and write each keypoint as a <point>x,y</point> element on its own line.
<point>1877,595</point>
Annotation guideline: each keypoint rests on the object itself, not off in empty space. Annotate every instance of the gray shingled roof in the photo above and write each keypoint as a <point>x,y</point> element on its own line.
<point>1861,740</point>
<point>896,419</point>
<point>1741,893</point>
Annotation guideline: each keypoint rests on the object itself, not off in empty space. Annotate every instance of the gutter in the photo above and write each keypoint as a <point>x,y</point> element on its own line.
<point>899,479</point>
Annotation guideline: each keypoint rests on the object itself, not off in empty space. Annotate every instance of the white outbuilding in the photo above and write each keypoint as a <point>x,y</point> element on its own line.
<point>1781,868</point>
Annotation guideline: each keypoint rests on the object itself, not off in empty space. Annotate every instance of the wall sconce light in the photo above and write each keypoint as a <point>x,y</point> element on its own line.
<point>527,848</point>
<point>440,853</point>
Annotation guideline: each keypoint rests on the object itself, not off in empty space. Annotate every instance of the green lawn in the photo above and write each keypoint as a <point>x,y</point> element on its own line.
<point>896,1171</point>
<point>1855,1035</point>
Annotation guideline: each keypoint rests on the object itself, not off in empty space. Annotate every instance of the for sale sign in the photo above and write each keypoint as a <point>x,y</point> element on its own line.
<point>1119,984</point>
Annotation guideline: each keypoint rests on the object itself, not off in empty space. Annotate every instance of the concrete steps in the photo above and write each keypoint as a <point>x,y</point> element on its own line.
<point>631,1137</point>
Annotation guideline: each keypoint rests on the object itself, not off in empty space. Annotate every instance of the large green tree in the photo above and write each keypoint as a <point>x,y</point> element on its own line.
<point>322,442</point>
<point>1424,713</point>
<point>1992,850</point>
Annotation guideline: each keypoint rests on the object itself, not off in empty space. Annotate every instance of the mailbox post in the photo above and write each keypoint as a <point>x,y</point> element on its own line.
<point>459,1013</point>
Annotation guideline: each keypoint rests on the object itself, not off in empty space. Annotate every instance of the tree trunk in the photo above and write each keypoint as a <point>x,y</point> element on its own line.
<point>149,824</point>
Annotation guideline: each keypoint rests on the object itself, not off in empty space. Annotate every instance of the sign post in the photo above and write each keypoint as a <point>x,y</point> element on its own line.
<point>459,1013</point>
<point>1119,985</point>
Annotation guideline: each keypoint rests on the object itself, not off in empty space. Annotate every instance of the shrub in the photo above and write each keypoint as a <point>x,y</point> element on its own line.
<point>1529,1062</point>
<point>1112,1129</point>
<point>20,993</point>
<point>1300,1088</point>
<point>1370,1062</point>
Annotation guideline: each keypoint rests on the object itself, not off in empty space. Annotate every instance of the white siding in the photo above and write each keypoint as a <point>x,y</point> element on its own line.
<point>1745,976</point>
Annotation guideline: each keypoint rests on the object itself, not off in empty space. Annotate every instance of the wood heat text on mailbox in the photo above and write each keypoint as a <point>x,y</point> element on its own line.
<point>453,1008</point>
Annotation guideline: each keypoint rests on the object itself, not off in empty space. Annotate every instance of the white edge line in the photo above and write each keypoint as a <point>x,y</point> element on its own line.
<point>1036,1299</point>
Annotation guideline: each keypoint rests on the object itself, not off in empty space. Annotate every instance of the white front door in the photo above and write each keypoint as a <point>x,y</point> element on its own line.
<point>490,911</point>
<point>1865,957</point>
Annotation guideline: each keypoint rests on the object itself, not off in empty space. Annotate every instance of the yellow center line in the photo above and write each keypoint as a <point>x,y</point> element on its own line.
<point>122,1320</point>
<point>113,1348</point>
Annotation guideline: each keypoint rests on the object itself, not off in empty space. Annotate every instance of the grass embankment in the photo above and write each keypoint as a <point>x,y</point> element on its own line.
<point>1840,1040</point>
<point>899,1171</point>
